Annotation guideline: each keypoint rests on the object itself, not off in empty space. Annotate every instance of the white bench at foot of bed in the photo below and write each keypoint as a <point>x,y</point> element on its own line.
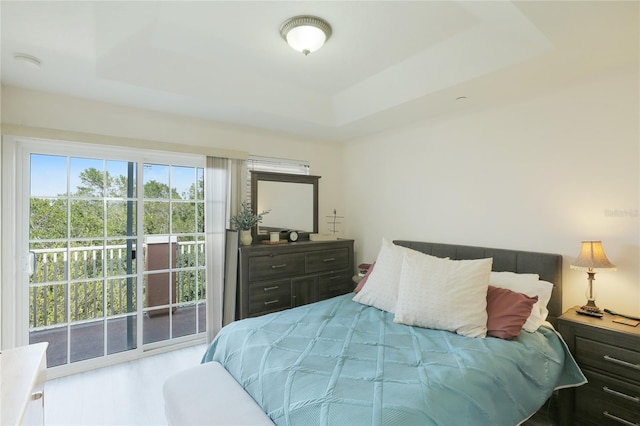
<point>208,395</point>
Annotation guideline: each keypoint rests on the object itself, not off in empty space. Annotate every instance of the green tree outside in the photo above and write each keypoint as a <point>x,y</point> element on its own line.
<point>100,194</point>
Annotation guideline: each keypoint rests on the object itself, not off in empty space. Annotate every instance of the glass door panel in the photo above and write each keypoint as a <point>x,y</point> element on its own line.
<point>174,302</point>
<point>116,265</point>
<point>82,238</point>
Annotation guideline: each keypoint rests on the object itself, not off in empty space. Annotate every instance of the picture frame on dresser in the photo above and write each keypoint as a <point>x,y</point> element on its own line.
<point>608,354</point>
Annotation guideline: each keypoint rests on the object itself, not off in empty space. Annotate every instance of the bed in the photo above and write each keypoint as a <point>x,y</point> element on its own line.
<point>340,361</point>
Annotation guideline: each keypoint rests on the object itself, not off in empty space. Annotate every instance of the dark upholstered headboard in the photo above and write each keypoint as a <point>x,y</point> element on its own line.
<point>547,266</point>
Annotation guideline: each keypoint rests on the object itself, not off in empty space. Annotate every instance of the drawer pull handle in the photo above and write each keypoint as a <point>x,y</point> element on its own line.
<point>37,395</point>
<point>282,265</point>
<point>329,259</point>
<point>619,419</point>
<point>621,362</point>
<point>621,395</point>
<point>275,287</point>
<point>269,302</point>
<point>336,277</point>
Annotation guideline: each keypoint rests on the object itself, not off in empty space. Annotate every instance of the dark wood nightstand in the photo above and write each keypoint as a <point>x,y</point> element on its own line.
<point>609,356</point>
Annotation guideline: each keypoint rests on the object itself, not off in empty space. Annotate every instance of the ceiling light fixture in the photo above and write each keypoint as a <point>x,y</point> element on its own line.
<point>27,59</point>
<point>305,33</point>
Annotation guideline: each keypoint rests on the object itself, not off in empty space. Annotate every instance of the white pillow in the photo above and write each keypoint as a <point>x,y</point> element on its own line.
<point>381,290</point>
<point>530,285</point>
<point>444,294</point>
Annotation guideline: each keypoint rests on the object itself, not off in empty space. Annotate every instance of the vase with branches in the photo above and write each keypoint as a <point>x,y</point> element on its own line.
<point>245,220</point>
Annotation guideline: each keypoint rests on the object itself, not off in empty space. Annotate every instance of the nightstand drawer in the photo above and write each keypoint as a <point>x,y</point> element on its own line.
<point>619,361</point>
<point>604,394</point>
<point>608,354</point>
<point>327,260</point>
<point>276,266</point>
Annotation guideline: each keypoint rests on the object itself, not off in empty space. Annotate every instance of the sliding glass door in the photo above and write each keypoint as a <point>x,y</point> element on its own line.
<point>82,243</point>
<point>116,251</point>
<point>174,261</point>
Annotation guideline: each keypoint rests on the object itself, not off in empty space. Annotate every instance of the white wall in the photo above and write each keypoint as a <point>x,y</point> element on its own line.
<point>38,109</point>
<point>541,174</point>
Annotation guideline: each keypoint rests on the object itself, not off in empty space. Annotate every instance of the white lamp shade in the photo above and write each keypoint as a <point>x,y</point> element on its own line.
<point>305,33</point>
<point>592,258</point>
<point>306,39</point>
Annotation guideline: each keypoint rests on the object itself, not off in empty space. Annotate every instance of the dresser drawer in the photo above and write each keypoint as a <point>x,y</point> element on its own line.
<point>268,296</point>
<point>606,400</point>
<point>335,284</point>
<point>622,362</point>
<point>275,266</point>
<point>327,260</point>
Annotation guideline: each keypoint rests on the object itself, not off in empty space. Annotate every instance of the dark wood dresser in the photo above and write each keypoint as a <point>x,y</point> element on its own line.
<point>608,354</point>
<point>276,277</point>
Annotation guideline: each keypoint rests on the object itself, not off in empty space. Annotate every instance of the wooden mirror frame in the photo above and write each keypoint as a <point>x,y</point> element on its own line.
<point>289,178</point>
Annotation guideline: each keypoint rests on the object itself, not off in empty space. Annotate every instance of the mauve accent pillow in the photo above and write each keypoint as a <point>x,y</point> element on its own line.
<point>364,279</point>
<point>530,285</point>
<point>507,311</point>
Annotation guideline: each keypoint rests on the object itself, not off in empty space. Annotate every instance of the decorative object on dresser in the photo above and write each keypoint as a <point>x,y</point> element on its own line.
<point>244,221</point>
<point>608,354</point>
<point>276,277</point>
<point>322,237</point>
<point>592,259</point>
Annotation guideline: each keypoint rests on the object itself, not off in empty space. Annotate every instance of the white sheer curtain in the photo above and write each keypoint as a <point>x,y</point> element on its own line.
<point>224,181</point>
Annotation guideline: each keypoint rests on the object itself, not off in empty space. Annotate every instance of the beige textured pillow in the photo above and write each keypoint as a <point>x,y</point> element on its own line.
<point>381,290</point>
<point>444,294</point>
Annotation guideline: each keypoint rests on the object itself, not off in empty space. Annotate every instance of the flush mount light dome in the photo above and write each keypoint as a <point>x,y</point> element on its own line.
<point>305,33</point>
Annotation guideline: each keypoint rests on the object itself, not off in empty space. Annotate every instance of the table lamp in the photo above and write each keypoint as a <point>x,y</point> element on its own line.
<point>592,259</point>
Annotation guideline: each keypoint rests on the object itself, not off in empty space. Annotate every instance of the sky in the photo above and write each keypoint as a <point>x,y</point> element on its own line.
<point>49,173</point>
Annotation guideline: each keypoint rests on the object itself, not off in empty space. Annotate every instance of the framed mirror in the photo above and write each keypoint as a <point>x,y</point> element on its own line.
<point>292,202</point>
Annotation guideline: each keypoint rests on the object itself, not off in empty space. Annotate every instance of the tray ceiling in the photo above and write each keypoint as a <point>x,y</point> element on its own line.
<point>386,64</point>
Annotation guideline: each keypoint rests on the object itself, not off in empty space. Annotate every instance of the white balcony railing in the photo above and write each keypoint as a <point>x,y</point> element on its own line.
<point>94,281</point>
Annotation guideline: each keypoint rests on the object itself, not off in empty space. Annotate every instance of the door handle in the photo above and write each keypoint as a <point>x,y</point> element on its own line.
<point>32,262</point>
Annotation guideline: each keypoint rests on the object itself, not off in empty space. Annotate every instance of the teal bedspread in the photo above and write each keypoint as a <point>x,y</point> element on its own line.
<point>338,362</point>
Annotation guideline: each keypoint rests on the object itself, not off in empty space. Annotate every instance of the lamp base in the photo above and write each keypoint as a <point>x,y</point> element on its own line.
<point>591,307</point>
